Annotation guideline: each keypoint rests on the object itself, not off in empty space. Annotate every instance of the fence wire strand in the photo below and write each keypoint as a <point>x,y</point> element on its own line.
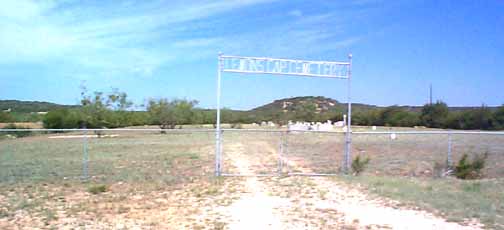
<point>142,154</point>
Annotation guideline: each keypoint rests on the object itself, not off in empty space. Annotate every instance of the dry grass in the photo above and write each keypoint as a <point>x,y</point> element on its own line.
<point>166,180</point>
<point>456,200</point>
<point>28,125</point>
<point>41,182</point>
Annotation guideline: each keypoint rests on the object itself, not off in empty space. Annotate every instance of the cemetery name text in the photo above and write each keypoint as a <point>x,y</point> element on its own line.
<point>284,66</point>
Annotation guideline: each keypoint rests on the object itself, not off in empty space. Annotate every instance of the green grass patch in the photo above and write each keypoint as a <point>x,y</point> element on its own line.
<point>97,189</point>
<point>456,200</point>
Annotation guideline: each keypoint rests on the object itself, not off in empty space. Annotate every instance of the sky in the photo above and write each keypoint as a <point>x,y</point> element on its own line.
<point>168,49</point>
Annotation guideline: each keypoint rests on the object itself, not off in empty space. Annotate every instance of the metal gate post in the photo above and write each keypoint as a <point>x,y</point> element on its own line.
<point>218,145</point>
<point>85,158</point>
<point>348,138</point>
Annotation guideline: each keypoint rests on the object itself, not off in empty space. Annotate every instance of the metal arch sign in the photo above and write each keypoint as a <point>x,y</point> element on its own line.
<point>261,65</point>
<point>264,65</point>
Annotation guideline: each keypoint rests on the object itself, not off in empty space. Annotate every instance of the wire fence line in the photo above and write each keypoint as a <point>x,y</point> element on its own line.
<point>142,153</point>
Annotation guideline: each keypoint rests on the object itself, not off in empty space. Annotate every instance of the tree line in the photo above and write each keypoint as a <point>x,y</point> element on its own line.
<point>114,109</point>
<point>435,115</point>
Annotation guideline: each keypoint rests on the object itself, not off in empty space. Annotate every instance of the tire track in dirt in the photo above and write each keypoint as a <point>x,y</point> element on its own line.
<point>255,209</point>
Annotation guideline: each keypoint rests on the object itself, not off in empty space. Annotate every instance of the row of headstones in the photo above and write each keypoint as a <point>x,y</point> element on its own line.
<point>305,126</point>
<point>314,126</point>
<point>264,123</point>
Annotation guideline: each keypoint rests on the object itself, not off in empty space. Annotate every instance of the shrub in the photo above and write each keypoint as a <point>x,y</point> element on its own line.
<point>64,119</point>
<point>467,170</point>
<point>97,189</point>
<point>359,165</point>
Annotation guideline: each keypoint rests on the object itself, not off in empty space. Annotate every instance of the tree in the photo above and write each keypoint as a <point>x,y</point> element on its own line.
<point>6,117</point>
<point>481,118</point>
<point>499,118</point>
<point>371,117</point>
<point>397,116</point>
<point>93,109</point>
<point>208,116</point>
<point>484,118</point>
<point>306,111</point>
<point>101,110</point>
<point>118,101</point>
<point>434,115</point>
<point>168,114</point>
<point>454,121</point>
<point>227,115</point>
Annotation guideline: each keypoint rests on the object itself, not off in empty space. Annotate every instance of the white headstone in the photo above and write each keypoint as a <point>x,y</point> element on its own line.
<point>339,124</point>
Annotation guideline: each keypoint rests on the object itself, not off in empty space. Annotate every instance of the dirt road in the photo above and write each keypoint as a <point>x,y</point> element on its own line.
<point>313,203</point>
<point>207,202</point>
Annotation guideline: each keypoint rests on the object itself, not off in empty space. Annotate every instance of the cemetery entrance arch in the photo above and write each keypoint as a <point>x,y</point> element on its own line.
<point>278,66</point>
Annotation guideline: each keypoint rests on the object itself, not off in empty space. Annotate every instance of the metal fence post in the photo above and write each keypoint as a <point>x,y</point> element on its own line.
<point>221,142</point>
<point>218,145</point>
<point>85,160</point>
<point>348,138</point>
<point>449,160</point>
<point>280,154</point>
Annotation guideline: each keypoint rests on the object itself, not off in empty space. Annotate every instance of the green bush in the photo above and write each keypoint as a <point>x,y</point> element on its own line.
<point>97,189</point>
<point>470,170</point>
<point>359,165</point>
<point>64,119</point>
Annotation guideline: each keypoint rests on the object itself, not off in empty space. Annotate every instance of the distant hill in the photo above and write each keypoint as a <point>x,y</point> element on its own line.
<point>325,104</point>
<point>31,106</point>
<point>322,104</point>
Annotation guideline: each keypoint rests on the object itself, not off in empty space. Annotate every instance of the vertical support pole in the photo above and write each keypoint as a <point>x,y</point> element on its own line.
<point>449,160</point>
<point>348,136</point>
<point>280,154</point>
<point>218,121</point>
<point>286,152</point>
<point>85,158</point>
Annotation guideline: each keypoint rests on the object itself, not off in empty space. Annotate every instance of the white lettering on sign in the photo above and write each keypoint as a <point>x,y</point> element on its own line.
<point>284,66</point>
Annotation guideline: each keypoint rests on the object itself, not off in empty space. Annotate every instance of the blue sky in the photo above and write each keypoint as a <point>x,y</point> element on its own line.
<point>154,49</point>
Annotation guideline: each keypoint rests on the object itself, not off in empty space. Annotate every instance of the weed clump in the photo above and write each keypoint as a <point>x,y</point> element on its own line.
<point>236,126</point>
<point>97,189</point>
<point>441,170</point>
<point>470,170</point>
<point>359,165</point>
